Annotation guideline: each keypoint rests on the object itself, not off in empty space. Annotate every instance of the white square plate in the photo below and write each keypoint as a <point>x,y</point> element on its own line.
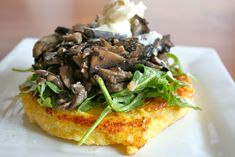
<point>206,133</point>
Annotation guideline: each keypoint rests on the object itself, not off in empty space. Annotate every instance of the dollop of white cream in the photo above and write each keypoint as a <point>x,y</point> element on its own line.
<point>116,16</point>
<point>149,38</point>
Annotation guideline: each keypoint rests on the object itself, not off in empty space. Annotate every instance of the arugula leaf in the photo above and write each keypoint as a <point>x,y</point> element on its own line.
<point>157,84</point>
<point>136,101</point>
<point>122,98</point>
<point>22,70</point>
<point>46,90</point>
<point>148,78</point>
<point>34,77</point>
<point>104,90</point>
<point>106,111</point>
<point>181,102</point>
<point>53,87</point>
<point>45,102</point>
<point>141,80</point>
<point>87,104</point>
<point>42,89</point>
<point>175,67</point>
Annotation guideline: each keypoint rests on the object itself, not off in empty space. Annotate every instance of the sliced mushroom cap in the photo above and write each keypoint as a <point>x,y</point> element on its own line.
<point>78,59</point>
<point>163,56</point>
<point>66,75</point>
<point>51,58</point>
<point>104,59</point>
<point>96,33</point>
<point>114,75</point>
<point>152,65</point>
<point>158,61</point>
<point>55,79</point>
<point>120,50</point>
<point>73,37</point>
<point>78,28</point>
<point>40,80</point>
<point>139,25</point>
<point>76,49</point>
<point>129,44</point>
<point>82,60</point>
<point>46,43</point>
<point>62,30</point>
<point>80,94</point>
<point>164,44</point>
<point>138,52</point>
<point>42,72</point>
<point>87,85</point>
<point>50,77</point>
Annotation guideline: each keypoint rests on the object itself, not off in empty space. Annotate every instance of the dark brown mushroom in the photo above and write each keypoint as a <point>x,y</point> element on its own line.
<point>163,45</point>
<point>51,58</point>
<point>139,25</point>
<point>46,43</point>
<point>120,50</point>
<point>150,64</point>
<point>78,28</point>
<point>55,79</point>
<point>80,94</point>
<point>95,33</point>
<point>163,56</point>
<point>138,52</point>
<point>82,60</point>
<point>62,30</point>
<point>114,75</point>
<point>129,44</point>
<point>73,37</point>
<point>40,80</point>
<point>41,72</point>
<point>66,75</point>
<point>104,59</point>
<point>158,61</point>
<point>87,85</point>
<point>50,77</point>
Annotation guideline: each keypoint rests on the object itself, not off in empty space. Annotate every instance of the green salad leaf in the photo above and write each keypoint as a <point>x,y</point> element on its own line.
<point>46,90</point>
<point>106,111</point>
<point>175,67</point>
<point>22,70</point>
<point>53,87</point>
<point>45,102</point>
<point>146,83</point>
<point>88,104</point>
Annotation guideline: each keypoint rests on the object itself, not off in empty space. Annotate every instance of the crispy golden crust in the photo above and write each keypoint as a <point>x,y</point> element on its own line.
<point>132,129</point>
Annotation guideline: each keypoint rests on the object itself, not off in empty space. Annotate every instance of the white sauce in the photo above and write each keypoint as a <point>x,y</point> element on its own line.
<point>116,16</point>
<point>149,38</point>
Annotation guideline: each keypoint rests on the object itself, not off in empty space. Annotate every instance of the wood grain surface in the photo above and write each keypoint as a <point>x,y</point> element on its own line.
<point>209,23</point>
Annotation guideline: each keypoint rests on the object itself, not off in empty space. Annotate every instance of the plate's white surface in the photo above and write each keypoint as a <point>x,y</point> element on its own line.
<point>206,133</point>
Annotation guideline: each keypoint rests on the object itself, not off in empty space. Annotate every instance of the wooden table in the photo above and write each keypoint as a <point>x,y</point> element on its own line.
<point>190,22</point>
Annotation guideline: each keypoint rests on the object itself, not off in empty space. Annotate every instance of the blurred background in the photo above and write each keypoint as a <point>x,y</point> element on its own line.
<point>209,23</point>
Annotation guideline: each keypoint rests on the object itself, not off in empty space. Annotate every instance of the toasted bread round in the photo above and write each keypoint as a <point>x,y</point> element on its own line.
<point>131,129</point>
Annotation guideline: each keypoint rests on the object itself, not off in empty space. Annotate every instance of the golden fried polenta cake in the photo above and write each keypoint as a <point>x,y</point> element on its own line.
<point>131,129</point>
